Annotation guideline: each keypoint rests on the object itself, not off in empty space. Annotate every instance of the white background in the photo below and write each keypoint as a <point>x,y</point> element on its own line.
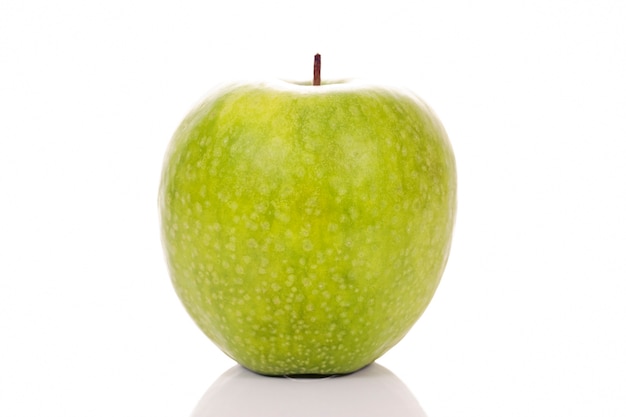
<point>530,317</point>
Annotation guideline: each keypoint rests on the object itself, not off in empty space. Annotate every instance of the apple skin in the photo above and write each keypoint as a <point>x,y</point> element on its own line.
<point>306,228</point>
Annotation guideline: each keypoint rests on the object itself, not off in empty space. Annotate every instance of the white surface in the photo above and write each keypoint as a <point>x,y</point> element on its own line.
<point>530,317</point>
<point>372,392</point>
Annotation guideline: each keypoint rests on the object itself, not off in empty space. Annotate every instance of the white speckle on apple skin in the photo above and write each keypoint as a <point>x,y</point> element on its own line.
<point>306,234</point>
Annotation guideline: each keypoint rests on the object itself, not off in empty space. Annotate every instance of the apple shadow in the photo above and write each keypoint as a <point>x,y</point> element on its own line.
<point>372,391</point>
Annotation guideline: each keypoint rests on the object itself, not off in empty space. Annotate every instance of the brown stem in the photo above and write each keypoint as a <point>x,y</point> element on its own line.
<point>317,68</point>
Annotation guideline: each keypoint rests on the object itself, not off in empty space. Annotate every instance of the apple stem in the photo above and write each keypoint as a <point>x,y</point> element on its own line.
<point>317,67</point>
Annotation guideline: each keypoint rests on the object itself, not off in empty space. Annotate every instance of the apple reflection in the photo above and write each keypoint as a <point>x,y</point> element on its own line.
<point>372,391</point>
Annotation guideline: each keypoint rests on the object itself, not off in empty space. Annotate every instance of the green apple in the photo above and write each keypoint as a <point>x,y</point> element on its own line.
<point>306,227</point>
